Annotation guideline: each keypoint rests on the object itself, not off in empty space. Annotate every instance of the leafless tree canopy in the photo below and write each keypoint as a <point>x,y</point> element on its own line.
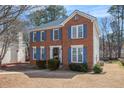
<point>9,26</point>
<point>112,42</point>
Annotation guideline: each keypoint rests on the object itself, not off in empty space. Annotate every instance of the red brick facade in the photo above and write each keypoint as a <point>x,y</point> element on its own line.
<point>66,43</point>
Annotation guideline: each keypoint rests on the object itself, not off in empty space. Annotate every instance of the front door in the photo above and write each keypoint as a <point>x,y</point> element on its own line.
<point>56,53</point>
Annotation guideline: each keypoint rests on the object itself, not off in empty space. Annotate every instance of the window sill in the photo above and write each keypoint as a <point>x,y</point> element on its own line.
<point>75,62</point>
<point>78,38</point>
<point>42,40</point>
<point>55,39</point>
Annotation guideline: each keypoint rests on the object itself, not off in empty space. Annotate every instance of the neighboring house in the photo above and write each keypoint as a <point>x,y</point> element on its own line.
<point>16,52</point>
<point>74,39</point>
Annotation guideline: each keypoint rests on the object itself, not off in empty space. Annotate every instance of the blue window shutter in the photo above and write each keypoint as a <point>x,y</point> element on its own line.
<point>60,34</point>
<point>37,53</point>
<point>69,32</point>
<point>31,36</point>
<point>69,55</point>
<point>44,36</point>
<point>84,54</point>
<point>38,36</point>
<point>45,54</point>
<point>85,31</point>
<point>51,34</point>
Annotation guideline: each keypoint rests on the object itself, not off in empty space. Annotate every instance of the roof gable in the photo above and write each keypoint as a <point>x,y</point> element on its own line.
<point>92,18</point>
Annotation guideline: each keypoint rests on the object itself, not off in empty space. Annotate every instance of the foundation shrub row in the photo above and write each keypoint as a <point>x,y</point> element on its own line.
<point>80,67</point>
<point>53,64</point>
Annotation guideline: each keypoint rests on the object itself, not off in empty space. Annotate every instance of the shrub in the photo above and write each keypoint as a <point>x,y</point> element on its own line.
<point>53,64</point>
<point>97,68</point>
<point>101,63</point>
<point>122,61</point>
<point>41,64</point>
<point>80,67</point>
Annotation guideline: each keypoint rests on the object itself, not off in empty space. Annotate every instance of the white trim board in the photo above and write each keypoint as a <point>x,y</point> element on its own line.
<point>34,47</point>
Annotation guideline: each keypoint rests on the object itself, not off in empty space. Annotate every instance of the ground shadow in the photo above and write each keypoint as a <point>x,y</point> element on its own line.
<point>20,67</point>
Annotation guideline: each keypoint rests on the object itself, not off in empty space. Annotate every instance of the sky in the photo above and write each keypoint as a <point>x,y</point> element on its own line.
<point>98,11</point>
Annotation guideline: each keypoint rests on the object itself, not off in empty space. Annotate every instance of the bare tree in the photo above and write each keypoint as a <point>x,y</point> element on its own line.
<point>26,38</point>
<point>117,12</point>
<point>105,37</point>
<point>8,14</point>
<point>8,39</point>
<point>9,26</point>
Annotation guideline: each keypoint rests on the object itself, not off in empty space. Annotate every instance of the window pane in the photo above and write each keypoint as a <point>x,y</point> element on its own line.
<point>74,34</point>
<point>42,36</point>
<point>74,54</point>
<point>80,31</point>
<point>74,58</point>
<point>80,54</point>
<point>43,52</point>
<point>56,34</point>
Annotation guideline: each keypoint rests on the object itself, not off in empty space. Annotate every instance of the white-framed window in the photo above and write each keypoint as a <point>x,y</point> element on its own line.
<point>77,31</point>
<point>34,36</point>
<point>55,34</point>
<point>42,35</point>
<point>74,32</point>
<point>77,54</point>
<point>42,52</point>
<point>34,53</point>
<point>80,31</point>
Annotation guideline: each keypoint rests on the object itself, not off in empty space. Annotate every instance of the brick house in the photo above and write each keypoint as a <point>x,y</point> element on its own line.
<point>73,39</point>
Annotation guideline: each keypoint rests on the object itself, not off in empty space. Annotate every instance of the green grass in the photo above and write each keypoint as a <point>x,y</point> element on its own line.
<point>117,62</point>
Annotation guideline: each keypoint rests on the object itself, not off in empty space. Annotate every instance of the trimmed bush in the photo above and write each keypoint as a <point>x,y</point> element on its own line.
<point>97,68</point>
<point>122,61</point>
<point>80,67</point>
<point>41,64</point>
<point>53,64</point>
<point>101,63</point>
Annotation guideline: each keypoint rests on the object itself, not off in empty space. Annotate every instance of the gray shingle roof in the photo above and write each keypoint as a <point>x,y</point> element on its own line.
<point>53,23</point>
<point>58,22</point>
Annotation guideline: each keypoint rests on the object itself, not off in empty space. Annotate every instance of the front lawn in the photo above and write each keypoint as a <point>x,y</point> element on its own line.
<point>113,77</point>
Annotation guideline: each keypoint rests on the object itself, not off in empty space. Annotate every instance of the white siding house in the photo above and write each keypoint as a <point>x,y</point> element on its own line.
<point>16,52</point>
